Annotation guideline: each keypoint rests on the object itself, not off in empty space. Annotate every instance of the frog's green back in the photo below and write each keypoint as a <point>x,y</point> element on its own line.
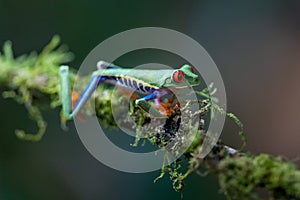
<point>155,78</point>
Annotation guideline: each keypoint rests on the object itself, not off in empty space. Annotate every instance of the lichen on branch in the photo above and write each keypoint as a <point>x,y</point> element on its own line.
<point>31,78</point>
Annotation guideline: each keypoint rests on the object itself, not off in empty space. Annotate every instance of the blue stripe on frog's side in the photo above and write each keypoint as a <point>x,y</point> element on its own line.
<point>126,81</point>
<point>129,83</point>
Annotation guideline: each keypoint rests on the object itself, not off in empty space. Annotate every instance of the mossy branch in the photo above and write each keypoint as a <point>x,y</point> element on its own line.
<point>33,81</point>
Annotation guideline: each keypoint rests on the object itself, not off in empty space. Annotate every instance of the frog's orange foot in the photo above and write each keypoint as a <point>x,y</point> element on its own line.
<point>75,96</point>
<point>165,108</point>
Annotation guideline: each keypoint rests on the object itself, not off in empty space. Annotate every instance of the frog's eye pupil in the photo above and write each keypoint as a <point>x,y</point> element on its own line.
<point>178,76</point>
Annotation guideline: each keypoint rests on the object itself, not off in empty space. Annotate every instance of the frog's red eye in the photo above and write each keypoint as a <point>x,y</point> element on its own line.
<point>192,69</point>
<point>178,76</point>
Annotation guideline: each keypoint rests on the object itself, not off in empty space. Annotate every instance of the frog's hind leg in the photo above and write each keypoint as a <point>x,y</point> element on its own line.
<point>68,112</point>
<point>74,98</point>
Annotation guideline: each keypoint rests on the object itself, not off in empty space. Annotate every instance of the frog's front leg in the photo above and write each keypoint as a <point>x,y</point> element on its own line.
<point>146,106</point>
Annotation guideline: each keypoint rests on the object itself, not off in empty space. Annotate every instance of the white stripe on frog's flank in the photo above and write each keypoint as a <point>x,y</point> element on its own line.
<point>131,83</point>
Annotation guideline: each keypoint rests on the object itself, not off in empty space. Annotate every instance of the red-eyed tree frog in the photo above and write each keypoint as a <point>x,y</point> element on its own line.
<point>149,84</point>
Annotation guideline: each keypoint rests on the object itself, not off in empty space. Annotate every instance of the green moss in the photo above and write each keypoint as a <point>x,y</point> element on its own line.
<point>32,76</point>
<point>240,176</point>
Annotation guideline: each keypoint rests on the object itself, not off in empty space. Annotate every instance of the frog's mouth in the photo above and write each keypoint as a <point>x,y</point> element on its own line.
<point>168,83</point>
<point>186,86</point>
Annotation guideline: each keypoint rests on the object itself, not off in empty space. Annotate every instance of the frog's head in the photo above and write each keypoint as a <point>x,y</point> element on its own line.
<point>182,77</point>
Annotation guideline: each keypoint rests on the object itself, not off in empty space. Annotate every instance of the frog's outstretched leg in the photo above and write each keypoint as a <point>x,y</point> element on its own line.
<point>67,112</point>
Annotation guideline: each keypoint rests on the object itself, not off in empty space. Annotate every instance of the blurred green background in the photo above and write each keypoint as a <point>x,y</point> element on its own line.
<point>255,44</point>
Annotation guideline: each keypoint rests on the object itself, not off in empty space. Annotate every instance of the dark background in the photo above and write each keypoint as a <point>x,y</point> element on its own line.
<point>255,44</point>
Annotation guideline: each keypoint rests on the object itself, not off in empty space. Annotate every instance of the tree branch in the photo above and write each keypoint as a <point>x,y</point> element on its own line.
<point>33,79</point>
